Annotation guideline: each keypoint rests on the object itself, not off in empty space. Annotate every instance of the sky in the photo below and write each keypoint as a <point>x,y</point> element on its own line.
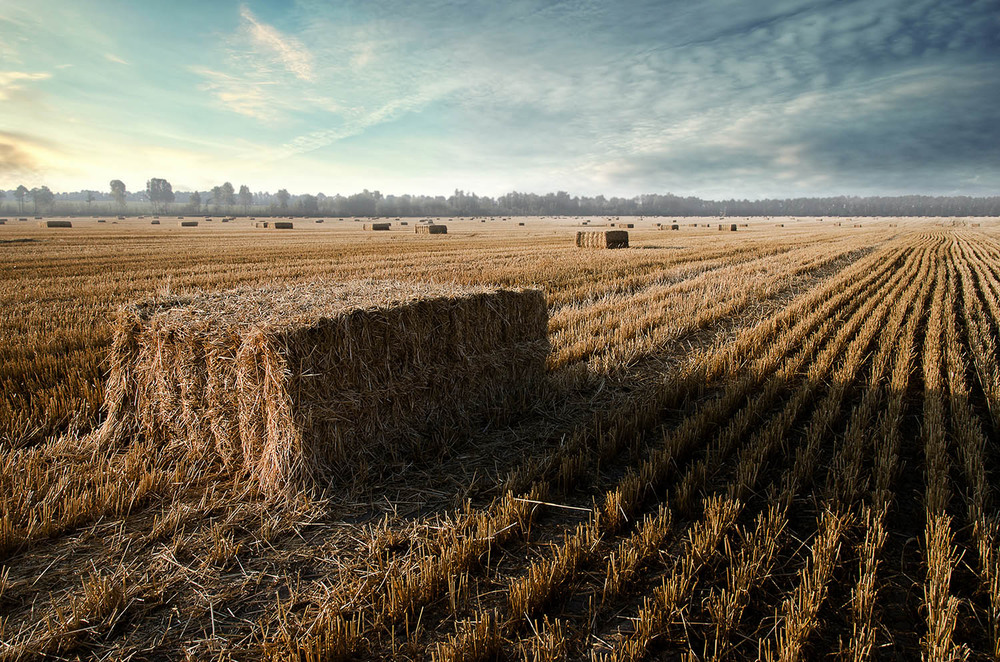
<point>712,98</point>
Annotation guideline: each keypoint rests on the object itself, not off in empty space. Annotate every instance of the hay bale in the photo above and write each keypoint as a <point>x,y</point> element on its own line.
<point>38,218</point>
<point>520,223</point>
<point>283,225</point>
<point>261,224</point>
<point>289,385</point>
<point>121,218</point>
<point>3,221</point>
<point>154,222</point>
<point>22,219</point>
<point>55,224</point>
<point>430,229</point>
<point>319,220</point>
<point>377,227</point>
<point>730,227</point>
<point>188,224</point>
<point>101,220</point>
<point>602,239</point>
<point>675,226</point>
<point>403,223</point>
<point>627,225</point>
<point>975,225</point>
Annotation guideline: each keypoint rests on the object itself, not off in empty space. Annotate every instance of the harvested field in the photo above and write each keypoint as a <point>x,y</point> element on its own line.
<point>779,443</point>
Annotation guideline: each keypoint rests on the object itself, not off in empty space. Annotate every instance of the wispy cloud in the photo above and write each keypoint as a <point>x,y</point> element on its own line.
<point>111,57</point>
<point>237,93</point>
<point>288,50</point>
<point>13,81</point>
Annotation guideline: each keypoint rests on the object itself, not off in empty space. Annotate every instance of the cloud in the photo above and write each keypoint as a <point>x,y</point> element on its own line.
<point>288,50</point>
<point>237,94</point>
<point>22,155</point>
<point>111,57</point>
<point>13,81</point>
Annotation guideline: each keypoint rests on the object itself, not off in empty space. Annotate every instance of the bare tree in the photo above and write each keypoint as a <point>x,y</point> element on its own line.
<point>246,199</point>
<point>118,192</point>
<point>228,195</point>
<point>20,193</point>
<point>283,197</point>
<point>42,198</point>
<point>160,193</point>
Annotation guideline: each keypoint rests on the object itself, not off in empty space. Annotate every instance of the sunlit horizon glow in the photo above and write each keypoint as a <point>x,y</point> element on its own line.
<point>724,98</point>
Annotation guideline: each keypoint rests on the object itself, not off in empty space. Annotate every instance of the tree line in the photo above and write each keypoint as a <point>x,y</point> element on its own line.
<point>159,197</point>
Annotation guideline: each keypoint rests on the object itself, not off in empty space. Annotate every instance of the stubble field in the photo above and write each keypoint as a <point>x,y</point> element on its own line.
<point>775,443</point>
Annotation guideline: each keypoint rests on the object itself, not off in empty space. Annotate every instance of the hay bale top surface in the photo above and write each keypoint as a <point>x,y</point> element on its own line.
<point>280,307</point>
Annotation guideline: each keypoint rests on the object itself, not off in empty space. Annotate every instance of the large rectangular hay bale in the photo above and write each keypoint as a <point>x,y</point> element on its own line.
<point>262,224</point>
<point>430,229</point>
<point>602,239</point>
<point>284,225</point>
<point>55,224</point>
<point>377,226</point>
<point>188,224</point>
<point>290,385</point>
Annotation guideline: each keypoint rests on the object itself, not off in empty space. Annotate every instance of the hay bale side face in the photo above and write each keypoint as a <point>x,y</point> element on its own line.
<point>430,229</point>
<point>151,222</point>
<point>261,224</point>
<point>283,225</point>
<point>188,224</point>
<point>379,227</point>
<point>55,224</point>
<point>602,239</point>
<point>294,386</point>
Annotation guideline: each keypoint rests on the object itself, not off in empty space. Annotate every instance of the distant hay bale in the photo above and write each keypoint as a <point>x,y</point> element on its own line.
<point>857,225</point>
<point>188,224</point>
<point>101,220</point>
<point>38,218</point>
<point>225,220</point>
<point>22,219</point>
<point>779,225</point>
<point>675,226</point>
<point>975,225</point>
<point>55,224</point>
<point>892,225</point>
<point>283,225</point>
<point>377,227</point>
<point>627,225</point>
<point>298,385</point>
<point>154,222</point>
<point>602,239</point>
<point>3,221</point>
<point>261,224</point>
<point>520,223</point>
<point>430,229</point>
<point>319,220</point>
<point>121,218</point>
<point>403,223</point>
<point>180,218</point>
<point>724,227</point>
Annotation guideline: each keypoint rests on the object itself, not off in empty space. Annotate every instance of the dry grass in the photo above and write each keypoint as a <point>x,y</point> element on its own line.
<point>774,443</point>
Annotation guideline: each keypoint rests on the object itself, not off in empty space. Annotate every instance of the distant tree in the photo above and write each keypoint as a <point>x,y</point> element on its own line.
<point>42,198</point>
<point>228,195</point>
<point>216,196</point>
<point>90,198</point>
<point>20,193</point>
<point>283,197</point>
<point>3,196</point>
<point>308,204</point>
<point>118,192</point>
<point>246,199</point>
<point>194,202</point>
<point>160,193</point>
